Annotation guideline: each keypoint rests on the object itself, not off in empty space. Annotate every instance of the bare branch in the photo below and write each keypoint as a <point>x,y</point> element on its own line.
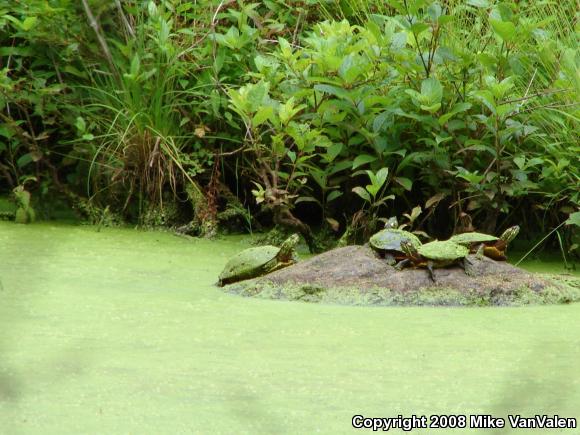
<point>95,25</point>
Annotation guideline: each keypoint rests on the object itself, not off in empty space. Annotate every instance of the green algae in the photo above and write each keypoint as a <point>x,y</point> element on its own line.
<point>564,290</point>
<point>123,331</point>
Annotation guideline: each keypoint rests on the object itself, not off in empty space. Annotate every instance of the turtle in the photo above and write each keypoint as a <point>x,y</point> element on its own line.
<point>485,244</point>
<point>387,242</point>
<point>253,262</point>
<point>434,255</point>
<point>24,213</point>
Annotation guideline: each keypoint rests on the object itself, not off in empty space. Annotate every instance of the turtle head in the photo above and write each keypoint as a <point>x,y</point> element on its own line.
<point>287,247</point>
<point>408,248</point>
<point>510,234</point>
<point>287,252</point>
<point>392,223</point>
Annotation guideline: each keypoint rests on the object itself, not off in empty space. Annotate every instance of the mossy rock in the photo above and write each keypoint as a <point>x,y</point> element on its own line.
<point>354,275</point>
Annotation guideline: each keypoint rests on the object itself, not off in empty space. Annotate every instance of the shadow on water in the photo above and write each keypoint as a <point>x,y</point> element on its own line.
<point>9,387</point>
<point>543,385</point>
<point>252,413</point>
<point>21,295</point>
<point>69,363</point>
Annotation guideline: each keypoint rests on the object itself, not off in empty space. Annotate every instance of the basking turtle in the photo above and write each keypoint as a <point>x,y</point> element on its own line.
<point>387,242</point>
<point>24,213</point>
<point>485,244</point>
<point>435,254</point>
<point>261,260</point>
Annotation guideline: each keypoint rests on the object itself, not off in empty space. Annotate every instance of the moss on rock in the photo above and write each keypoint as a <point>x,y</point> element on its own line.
<point>355,276</point>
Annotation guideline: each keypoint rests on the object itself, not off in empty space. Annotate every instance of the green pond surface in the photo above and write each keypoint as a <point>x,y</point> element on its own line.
<point>123,332</point>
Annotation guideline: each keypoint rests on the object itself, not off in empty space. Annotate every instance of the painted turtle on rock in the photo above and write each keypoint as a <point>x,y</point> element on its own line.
<point>485,244</point>
<point>434,255</point>
<point>387,242</point>
<point>261,260</point>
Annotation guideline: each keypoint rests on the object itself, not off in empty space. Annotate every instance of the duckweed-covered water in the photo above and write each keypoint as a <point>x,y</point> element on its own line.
<point>122,332</point>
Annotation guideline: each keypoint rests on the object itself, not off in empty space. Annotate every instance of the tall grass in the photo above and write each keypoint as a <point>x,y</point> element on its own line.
<point>143,116</point>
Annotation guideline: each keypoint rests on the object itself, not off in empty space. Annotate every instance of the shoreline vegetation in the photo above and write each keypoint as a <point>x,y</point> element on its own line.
<point>322,118</point>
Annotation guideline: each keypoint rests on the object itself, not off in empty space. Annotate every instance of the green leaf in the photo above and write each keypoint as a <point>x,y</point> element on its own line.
<point>135,65</point>
<point>362,193</point>
<point>382,176</point>
<point>5,132</point>
<point>340,166</point>
<point>574,219</point>
<point>219,59</point>
<point>435,199</point>
<point>28,23</point>
<point>333,195</point>
<point>373,189</point>
<point>362,159</point>
<point>520,162</point>
<point>80,124</point>
<point>349,70</point>
<point>434,10</point>
<point>506,30</point>
<point>458,108</point>
<point>278,147</point>
<point>419,28</point>
<point>337,92</point>
<point>409,159</point>
<point>333,151</point>
<point>478,147</point>
<point>384,200</point>
<point>24,160</point>
<point>306,199</point>
<point>382,119</point>
<point>415,213</point>
<point>262,115</point>
<point>287,111</point>
<point>472,177</point>
<point>431,109</point>
<point>486,97</point>
<point>257,94</point>
<point>432,90</point>
<point>405,182</point>
<point>479,3</point>
<point>320,177</point>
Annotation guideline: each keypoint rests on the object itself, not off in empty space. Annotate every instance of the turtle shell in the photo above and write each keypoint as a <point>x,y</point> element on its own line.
<point>443,251</point>
<point>248,263</point>
<point>390,240</point>
<point>469,238</point>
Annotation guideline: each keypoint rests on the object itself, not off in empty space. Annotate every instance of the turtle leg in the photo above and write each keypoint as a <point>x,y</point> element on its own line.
<point>390,259</point>
<point>431,271</point>
<point>402,263</point>
<point>479,254</point>
<point>468,266</point>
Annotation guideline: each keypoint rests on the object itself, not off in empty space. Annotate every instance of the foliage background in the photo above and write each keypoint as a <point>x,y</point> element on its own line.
<point>231,114</point>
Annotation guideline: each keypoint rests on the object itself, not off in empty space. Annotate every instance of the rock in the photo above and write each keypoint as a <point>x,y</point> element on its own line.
<point>355,275</point>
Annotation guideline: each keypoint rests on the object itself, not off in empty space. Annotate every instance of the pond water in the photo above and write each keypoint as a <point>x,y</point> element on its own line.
<point>123,331</point>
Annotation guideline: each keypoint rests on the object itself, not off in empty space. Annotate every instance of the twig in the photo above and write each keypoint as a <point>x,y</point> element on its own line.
<point>550,106</point>
<point>231,153</point>
<point>531,81</point>
<point>124,19</point>
<point>95,25</point>
<point>295,35</point>
<point>539,94</point>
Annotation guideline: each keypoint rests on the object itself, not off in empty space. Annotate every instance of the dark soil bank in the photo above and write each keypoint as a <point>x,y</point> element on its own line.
<point>355,275</point>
